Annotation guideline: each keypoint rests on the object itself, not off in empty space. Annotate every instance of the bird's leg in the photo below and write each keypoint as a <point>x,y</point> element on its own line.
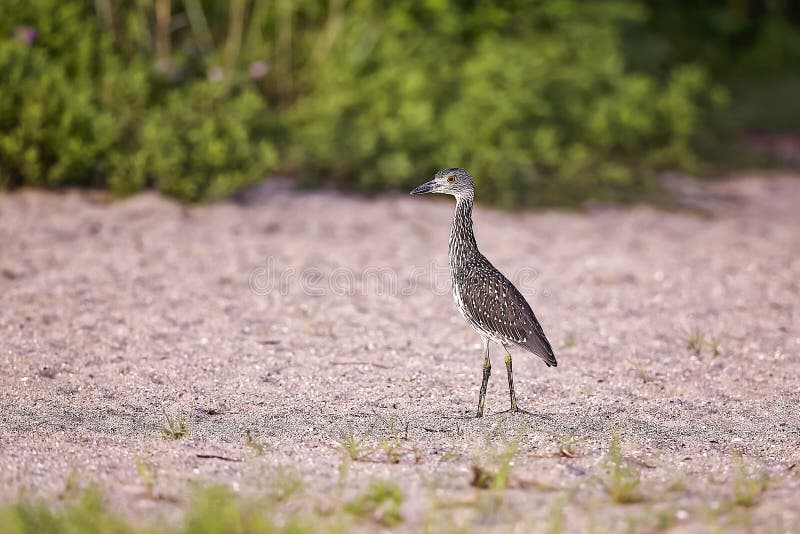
<point>511,381</point>
<point>487,370</point>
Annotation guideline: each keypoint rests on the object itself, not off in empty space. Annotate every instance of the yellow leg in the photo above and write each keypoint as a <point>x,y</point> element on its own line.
<point>487,370</point>
<point>511,381</point>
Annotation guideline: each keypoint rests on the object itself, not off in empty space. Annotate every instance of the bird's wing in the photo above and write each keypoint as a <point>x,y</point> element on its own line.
<point>496,305</point>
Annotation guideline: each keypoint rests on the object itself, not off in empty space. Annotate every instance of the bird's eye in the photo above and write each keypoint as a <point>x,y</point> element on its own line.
<point>451,179</point>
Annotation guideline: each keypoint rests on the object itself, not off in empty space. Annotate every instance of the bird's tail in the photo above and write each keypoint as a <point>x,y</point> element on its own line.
<point>539,345</point>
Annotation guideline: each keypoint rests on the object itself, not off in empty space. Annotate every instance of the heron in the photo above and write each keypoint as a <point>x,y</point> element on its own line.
<point>484,297</point>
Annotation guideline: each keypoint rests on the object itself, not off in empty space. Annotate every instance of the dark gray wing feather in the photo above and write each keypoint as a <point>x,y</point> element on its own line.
<point>497,306</point>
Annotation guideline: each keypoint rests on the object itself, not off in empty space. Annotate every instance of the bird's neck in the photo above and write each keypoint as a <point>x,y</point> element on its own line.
<point>462,240</point>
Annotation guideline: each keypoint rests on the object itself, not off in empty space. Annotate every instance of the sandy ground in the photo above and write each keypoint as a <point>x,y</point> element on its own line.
<point>263,315</point>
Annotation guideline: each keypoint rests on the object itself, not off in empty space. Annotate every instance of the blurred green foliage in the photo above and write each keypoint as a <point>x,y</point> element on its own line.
<point>750,46</point>
<point>215,510</point>
<point>544,102</point>
<point>536,103</point>
<point>77,109</point>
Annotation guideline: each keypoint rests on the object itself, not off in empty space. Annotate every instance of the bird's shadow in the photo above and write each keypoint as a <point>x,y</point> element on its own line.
<point>521,413</point>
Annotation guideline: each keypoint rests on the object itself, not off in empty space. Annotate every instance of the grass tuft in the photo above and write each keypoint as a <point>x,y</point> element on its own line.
<point>695,341</point>
<point>174,428</point>
<point>623,483</point>
<point>253,444</point>
<point>381,503</point>
<point>747,490</point>
<point>495,473</point>
<point>349,444</point>
<point>285,485</point>
<point>217,509</point>
<point>392,451</point>
<point>715,344</point>
<point>147,476</point>
<point>84,514</point>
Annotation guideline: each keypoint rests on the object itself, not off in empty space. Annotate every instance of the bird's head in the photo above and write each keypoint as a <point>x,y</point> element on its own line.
<point>456,182</point>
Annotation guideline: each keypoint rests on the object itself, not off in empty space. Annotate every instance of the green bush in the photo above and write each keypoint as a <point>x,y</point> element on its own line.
<point>751,46</point>
<point>535,98</point>
<point>52,130</point>
<point>537,103</point>
<point>74,110</point>
<point>202,143</point>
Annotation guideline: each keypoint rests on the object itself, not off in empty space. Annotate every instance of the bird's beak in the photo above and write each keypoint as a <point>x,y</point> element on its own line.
<point>427,187</point>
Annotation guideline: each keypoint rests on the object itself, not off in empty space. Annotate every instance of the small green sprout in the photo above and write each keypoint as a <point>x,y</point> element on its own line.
<point>175,428</point>
<point>253,444</point>
<point>350,445</point>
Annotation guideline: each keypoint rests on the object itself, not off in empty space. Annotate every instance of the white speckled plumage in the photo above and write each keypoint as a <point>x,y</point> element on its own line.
<point>486,299</point>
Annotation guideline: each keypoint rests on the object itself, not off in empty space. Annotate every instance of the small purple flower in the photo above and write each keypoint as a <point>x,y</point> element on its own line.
<point>258,69</point>
<point>25,34</point>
